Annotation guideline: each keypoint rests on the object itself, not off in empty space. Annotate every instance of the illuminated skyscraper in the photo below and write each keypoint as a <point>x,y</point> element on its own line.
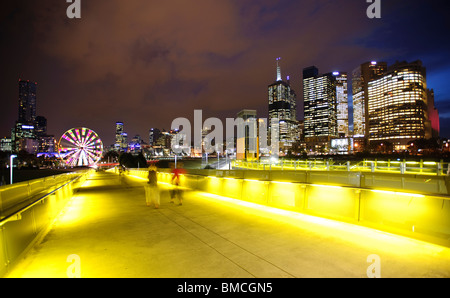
<point>23,134</point>
<point>27,102</point>
<point>283,106</point>
<point>342,103</point>
<point>360,83</point>
<point>397,105</point>
<point>153,136</point>
<point>40,126</point>
<point>320,112</point>
<point>433,114</point>
<point>119,136</point>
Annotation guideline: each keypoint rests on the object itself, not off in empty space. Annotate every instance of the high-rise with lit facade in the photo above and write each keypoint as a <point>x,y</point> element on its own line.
<point>433,115</point>
<point>23,136</point>
<point>397,105</point>
<point>27,102</point>
<point>283,106</point>
<point>40,126</point>
<point>153,136</point>
<point>320,112</point>
<point>342,103</point>
<point>119,136</point>
<point>361,77</point>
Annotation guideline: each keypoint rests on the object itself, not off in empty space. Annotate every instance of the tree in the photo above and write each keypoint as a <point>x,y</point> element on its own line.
<point>110,156</point>
<point>128,160</point>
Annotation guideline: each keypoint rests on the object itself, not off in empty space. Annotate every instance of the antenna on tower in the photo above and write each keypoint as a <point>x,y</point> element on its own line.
<point>278,70</point>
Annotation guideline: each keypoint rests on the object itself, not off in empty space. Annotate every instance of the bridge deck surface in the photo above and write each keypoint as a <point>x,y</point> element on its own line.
<point>108,225</point>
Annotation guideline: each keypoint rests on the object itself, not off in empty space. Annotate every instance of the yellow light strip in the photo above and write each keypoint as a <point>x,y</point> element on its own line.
<point>346,230</point>
<point>327,186</point>
<point>398,193</point>
<point>252,180</point>
<point>282,182</point>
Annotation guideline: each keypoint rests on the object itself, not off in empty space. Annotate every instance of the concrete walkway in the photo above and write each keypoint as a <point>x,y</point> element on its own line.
<point>108,231</point>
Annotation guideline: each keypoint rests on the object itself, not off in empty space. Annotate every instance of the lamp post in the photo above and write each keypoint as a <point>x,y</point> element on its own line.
<point>11,168</point>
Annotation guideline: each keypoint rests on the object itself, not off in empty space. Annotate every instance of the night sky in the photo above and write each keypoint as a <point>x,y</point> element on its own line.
<point>148,62</point>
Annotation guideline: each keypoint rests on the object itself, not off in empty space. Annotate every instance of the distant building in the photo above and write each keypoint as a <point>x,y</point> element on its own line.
<point>124,143</point>
<point>283,106</point>
<point>163,145</point>
<point>47,144</point>
<point>153,136</point>
<point>5,144</point>
<point>40,126</point>
<point>29,145</point>
<point>30,131</point>
<point>433,114</point>
<point>21,136</point>
<point>136,144</point>
<point>23,132</point>
<point>119,135</point>
<point>361,77</point>
<point>320,109</point>
<point>398,106</point>
<point>342,104</point>
<point>27,102</point>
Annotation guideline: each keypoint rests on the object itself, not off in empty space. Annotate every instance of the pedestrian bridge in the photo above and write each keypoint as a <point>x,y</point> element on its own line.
<point>232,224</point>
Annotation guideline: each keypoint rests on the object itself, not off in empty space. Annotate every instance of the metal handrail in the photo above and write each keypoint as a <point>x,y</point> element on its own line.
<point>439,168</point>
<point>16,214</point>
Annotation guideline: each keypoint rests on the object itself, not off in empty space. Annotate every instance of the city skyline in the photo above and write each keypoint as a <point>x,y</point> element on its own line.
<point>147,65</point>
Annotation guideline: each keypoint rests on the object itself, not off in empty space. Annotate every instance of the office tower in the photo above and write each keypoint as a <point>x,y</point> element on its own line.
<point>5,144</point>
<point>433,115</point>
<point>40,126</point>
<point>342,103</point>
<point>119,136</point>
<point>283,106</point>
<point>27,102</point>
<point>397,105</point>
<point>320,113</point>
<point>136,144</point>
<point>23,136</point>
<point>154,135</point>
<point>47,144</point>
<point>361,77</point>
<point>124,144</point>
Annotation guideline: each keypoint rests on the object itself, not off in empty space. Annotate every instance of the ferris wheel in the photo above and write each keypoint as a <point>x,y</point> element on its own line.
<point>80,147</point>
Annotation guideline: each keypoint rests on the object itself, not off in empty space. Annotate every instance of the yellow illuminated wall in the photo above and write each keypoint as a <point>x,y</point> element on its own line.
<point>409,213</point>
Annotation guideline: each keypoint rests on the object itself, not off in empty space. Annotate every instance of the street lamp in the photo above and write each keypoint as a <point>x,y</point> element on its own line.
<point>11,167</point>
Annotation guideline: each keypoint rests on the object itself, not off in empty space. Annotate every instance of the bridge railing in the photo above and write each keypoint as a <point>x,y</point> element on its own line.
<point>27,210</point>
<point>381,166</point>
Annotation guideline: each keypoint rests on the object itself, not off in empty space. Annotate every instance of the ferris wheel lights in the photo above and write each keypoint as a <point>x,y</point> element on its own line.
<point>80,147</point>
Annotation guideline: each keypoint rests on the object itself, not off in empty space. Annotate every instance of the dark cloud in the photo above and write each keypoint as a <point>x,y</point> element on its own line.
<point>148,62</point>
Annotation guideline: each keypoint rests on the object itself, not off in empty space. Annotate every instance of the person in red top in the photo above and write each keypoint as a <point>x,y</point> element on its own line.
<point>176,191</point>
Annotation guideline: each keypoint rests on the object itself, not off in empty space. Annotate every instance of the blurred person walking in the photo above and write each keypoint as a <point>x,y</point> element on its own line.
<point>176,191</point>
<point>152,195</point>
